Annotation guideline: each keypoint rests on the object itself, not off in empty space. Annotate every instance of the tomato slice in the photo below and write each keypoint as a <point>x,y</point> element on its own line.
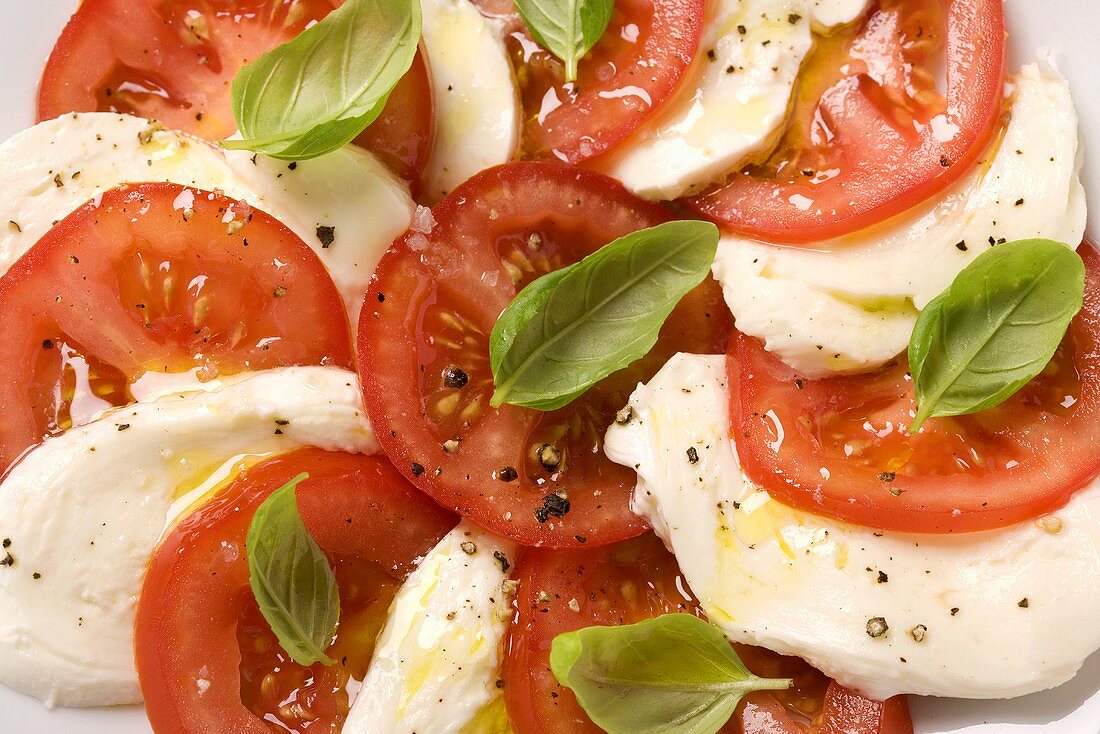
<point>847,712</point>
<point>538,478</point>
<point>840,446</point>
<point>635,66</point>
<point>175,60</point>
<point>870,136</point>
<point>564,590</point>
<point>155,278</point>
<point>403,135</point>
<point>207,660</point>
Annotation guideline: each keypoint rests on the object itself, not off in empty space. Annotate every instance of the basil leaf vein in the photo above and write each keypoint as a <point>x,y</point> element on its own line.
<point>291,578</point>
<point>570,329</point>
<point>674,674</point>
<point>995,328</point>
<point>566,28</point>
<point>318,91</point>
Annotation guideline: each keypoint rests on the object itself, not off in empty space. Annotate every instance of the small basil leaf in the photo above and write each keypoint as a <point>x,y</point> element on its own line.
<point>570,329</point>
<point>566,28</point>
<point>317,92</point>
<point>674,674</point>
<point>291,579</point>
<point>995,328</point>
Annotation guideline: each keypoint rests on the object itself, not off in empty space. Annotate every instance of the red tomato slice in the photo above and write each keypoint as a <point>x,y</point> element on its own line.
<point>403,135</point>
<point>155,278</point>
<point>197,619</point>
<point>424,348</point>
<point>840,446</point>
<point>561,591</point>
<point>175,60</point>
<point>761,713</point>
<point>635,66</point>
<point>847,712</point>
<point>870,136</point>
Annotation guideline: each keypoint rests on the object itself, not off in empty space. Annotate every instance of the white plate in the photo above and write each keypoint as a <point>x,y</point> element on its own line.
<point>28,29</point>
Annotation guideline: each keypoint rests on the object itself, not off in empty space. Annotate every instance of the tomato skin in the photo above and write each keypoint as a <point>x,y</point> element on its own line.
<point>620,82</point>
<point>175,61</point>
<point>430,308</point>
<point>1005,465</point>
<point>877,166</point>
<point>162,278</point>
<point>847,712</point>
<point>191,600</point>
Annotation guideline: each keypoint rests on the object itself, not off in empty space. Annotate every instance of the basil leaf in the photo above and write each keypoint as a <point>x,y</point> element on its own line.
<point>566,28</point>
<point>291,579</point>
<point>674,674</point>
<point>570,329</point>
<point>995,328</point>
<point>317,92</point>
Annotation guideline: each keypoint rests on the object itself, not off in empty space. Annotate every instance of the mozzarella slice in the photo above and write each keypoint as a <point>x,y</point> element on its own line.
<point>733,102</point>
<point>49,170</point>
<point>477,109</point>
<point>82,512</point>
<point>366,206</point>
<point>437,663</point>
<point>805,585</point>
<point>853,307</point>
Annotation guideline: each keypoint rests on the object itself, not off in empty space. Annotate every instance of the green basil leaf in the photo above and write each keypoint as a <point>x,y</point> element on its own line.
<point>570,329</point>
<point>995,328</point>
<point>566,28</point>
<point>674,674</point>
<point>317,92</point>
<point>291,579</point>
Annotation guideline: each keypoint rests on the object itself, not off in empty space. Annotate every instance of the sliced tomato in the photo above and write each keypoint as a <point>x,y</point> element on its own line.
<point>870,136</point>
<point>840,446</point>
<point>403,135</point>
<point>848,712</point>
<point>155,278</point>
<point>175,60</point>
<point>207,660</point>
<point>634,67</point>
<point>561,591</point>
<point>539,478</point>
<point>762,713</point>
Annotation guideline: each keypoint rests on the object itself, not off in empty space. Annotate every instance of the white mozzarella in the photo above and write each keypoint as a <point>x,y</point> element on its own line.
<point>436,666</point>
<point>733,102</point>
<point>853,306</point>
<point>477,109</point>
<point>806,585</point>
<point>367,206</point>
<point>84,511</point>
<point>49,170</point>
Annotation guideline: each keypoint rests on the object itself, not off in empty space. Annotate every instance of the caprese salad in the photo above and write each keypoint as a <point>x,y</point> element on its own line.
<point>531,366</point>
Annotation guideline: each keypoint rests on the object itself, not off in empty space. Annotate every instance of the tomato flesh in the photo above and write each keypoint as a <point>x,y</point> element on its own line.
<point>403,135</point>
<point>847,712</point>
<point>424,352</point>
<point>175,61</point>
<point>155,278</point>
<point>303,698</point>
<point>631,70</point>
<point>197,619</point>
<point>870,135</point>
<point>840,446</point>
<point>624,583</point>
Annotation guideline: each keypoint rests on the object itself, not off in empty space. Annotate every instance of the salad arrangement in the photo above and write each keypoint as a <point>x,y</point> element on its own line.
<point>485,366</point>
